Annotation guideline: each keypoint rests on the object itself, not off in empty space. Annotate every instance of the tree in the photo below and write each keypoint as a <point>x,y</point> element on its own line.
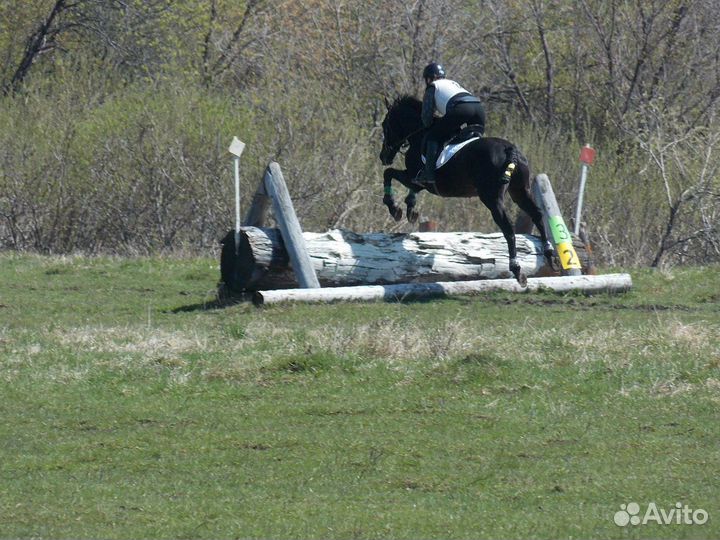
<point>42,40</point>
<point>685,163</point>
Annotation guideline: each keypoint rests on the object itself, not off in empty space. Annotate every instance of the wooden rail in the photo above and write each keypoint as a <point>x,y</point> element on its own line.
<point>415,291</point>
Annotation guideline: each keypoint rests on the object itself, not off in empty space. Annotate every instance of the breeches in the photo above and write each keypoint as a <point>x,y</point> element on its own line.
<point>448,125</point>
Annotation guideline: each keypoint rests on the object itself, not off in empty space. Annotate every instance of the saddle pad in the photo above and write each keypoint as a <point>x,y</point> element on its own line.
<point>449,151</point>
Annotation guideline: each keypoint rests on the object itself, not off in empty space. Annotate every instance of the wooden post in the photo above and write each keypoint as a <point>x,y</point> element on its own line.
<point>289,227</point>
<point>257,215</point>
<point>414,291</point>
<point>523,223</point>
<point>555,225</point>
<point>427,225</point>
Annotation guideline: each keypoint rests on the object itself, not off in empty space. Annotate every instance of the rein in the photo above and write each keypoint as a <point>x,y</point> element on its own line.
<point>404,142</point>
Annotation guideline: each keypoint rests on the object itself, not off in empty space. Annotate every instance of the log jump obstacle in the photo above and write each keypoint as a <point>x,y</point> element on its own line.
<point>284,264</point>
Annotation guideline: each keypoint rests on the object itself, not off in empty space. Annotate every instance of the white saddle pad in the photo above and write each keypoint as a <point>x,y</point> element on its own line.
<point>449,151</point>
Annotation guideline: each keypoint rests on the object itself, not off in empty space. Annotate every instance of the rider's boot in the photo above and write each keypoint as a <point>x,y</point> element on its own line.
<point>432,149</point>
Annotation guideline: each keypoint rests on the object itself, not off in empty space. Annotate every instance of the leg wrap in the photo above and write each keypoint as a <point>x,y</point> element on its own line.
<point>509,170</point>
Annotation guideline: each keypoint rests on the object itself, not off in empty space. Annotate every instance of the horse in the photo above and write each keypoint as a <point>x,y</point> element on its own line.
<point>487,168</point>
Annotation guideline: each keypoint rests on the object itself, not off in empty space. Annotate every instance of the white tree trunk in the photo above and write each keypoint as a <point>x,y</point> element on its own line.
<point>343,258</point>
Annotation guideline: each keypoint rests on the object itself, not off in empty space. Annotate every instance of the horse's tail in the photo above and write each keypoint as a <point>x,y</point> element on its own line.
<point>513,158</point>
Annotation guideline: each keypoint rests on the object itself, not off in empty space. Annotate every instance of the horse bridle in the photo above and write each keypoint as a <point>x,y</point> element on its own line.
<point>404,142</point>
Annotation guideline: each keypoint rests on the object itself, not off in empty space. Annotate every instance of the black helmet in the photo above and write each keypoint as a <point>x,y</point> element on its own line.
<point>433,71</point>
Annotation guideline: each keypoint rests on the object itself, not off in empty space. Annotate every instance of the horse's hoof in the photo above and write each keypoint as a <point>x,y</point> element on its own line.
<point>516,270</point>
<point>549,254</point>
<point>412,215</point>
<point>550,258</point>
<point>396,213</point>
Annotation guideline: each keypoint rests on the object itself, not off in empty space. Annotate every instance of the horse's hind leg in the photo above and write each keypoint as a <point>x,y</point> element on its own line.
<point>520,193</point>
<point>495,205</point>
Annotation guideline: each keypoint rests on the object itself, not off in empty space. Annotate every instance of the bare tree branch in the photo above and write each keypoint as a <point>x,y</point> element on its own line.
<point>230,51</point>
<point>538,13</point>
<point>37,43</point>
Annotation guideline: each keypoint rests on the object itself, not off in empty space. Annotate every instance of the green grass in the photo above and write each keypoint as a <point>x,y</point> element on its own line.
<point>134,407</point>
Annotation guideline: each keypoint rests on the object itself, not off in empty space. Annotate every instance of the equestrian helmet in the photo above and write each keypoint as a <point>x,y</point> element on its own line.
<point>433,71</point>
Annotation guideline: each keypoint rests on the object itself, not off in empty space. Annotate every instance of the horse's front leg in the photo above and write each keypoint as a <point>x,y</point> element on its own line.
<point>388,198</point>
<point>411,202</point>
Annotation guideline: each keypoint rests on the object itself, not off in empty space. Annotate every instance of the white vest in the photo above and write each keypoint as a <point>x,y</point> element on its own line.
<point>445,90</point>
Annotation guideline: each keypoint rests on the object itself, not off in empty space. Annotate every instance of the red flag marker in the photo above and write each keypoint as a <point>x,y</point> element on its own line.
<point>587,154</point>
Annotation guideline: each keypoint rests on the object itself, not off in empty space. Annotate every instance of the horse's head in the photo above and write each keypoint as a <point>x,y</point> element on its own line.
<point>390,146</point>
<point>401,121</point>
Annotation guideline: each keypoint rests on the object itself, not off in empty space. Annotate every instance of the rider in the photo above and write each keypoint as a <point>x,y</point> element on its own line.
<point>455,106</point>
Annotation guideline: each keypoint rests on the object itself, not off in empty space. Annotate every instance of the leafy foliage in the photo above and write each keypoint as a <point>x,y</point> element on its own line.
<point>117,114</point>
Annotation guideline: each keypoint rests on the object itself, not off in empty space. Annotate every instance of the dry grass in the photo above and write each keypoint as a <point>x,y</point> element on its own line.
<point>411,347</point>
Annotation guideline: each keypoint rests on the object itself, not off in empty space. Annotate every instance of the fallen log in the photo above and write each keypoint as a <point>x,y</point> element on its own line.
<point>343,258</point>
<point>614,283</point>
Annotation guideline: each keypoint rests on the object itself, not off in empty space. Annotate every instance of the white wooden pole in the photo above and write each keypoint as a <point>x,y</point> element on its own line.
<point>290,227</point>
<point>413,291</point>
<point>581,193</point>
<point>236,149</point>
<point>236,161</point>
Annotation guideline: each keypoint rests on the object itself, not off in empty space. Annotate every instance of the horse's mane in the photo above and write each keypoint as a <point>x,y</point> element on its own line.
<point>407,101</point>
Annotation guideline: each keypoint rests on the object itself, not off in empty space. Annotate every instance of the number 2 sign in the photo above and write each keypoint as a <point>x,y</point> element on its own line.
<point>563,242</point>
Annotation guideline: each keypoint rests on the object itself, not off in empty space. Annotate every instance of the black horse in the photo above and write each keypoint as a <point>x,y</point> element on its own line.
<point>487,168</point>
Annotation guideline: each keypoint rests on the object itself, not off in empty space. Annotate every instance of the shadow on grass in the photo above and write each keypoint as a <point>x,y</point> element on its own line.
<point>220,302</point>
<point>431,293</point>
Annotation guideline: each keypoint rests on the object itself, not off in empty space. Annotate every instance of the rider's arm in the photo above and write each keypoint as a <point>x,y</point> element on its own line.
<point>428,107</point>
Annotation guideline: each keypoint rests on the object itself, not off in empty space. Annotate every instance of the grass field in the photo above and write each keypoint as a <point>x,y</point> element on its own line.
<point>134,407</point>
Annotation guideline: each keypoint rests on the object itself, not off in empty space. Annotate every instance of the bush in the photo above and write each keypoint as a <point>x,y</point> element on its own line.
<point>144,170</point>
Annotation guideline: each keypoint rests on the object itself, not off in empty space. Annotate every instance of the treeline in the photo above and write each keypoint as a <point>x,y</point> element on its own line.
<point>115,115</point>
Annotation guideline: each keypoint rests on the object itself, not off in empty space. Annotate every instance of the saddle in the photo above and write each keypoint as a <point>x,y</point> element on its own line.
<point>470,131</point>
<point>466,135</point>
